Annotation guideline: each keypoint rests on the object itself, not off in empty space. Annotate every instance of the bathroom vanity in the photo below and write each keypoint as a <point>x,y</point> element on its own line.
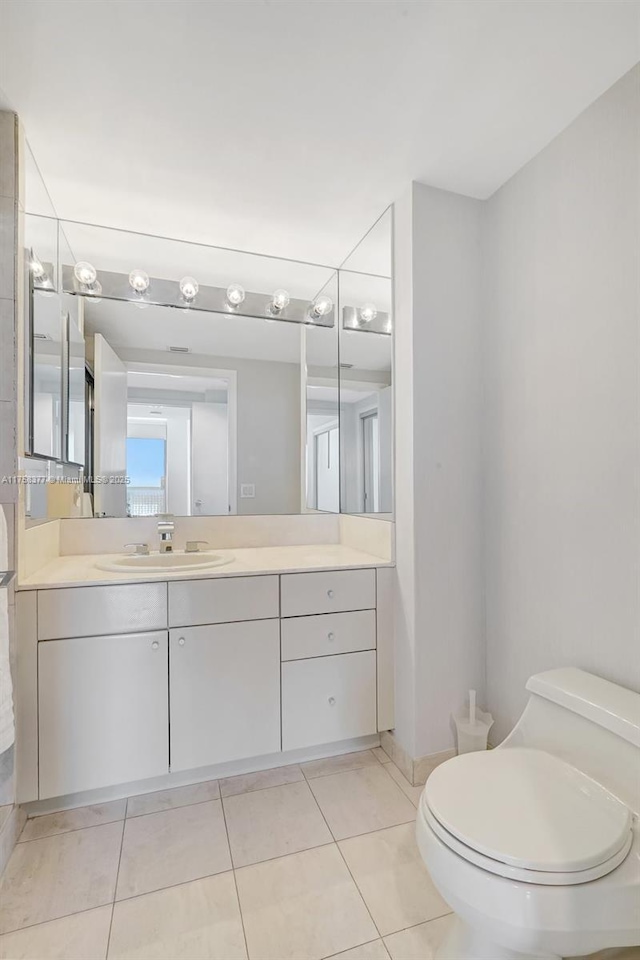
<point>247,407</point>
<point>123,682</point>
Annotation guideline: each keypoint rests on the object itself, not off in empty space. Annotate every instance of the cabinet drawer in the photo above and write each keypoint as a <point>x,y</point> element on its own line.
<point>223,601</point>
<point>328,699</point>
<point>328,634</point>
<point>93,611</point>
<point>327,592</point>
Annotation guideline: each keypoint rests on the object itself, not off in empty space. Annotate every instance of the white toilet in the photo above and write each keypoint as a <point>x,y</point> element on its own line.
<point>536,844</point>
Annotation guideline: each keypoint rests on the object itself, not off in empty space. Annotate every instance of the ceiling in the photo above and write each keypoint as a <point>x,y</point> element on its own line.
<point>287,126</point>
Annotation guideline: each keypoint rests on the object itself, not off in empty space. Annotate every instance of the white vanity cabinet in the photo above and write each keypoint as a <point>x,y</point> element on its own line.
<point>224,692</point>
<point>125,682</point>
<point>103,711</point>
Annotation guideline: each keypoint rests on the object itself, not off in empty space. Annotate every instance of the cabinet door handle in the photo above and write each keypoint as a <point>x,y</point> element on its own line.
<point>155,645</point>
<point>331,635</point>
<point>330,594</point>
<point>181,641</point>
<point>332,701</point>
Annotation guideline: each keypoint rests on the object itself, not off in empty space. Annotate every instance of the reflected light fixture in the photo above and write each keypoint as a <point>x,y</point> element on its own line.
<point>368,313</point>
<point>35,265</point>
<point>85,273</point>
<point>321,307</point>
<point>95,292</point>
<point>189,289</point>
<point>139,281</point>
<point>44,282</point>
<point>279,302</point>
<point>235,294</point>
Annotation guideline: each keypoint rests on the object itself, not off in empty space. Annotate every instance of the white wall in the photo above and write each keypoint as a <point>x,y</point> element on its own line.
<point>210,457</point>
<point>562,428</point>
<point>268,434</point>
<point>440,613</point>
<point>110,443</point>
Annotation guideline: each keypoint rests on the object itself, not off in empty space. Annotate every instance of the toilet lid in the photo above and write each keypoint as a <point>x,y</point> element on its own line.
<point>528,809</point>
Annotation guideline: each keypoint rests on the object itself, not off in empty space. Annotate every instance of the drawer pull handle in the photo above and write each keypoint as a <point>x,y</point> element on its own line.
<point>181,641</point>
<point>331,635</point>
<point>330,594</point>
<point>155,645</point>
<point>332,701</point>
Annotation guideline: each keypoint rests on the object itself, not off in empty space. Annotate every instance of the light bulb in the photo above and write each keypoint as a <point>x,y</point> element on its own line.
<point>280,301</point>
<point>235,294</point>
<point>139,281</point>
<point>95,292</point>
<point>189,288</point>
<point>368,312</point>
<point>321,307</point>
<point>35,266</point>
<point>85,273</point>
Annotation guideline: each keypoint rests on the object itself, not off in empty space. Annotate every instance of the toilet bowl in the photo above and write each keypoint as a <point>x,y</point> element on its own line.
<point>536,845</point>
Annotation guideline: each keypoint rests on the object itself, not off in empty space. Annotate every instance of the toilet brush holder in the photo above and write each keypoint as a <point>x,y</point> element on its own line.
<point>473,727</point>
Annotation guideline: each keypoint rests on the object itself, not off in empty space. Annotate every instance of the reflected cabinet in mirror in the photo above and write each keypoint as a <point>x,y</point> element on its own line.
<point>176,378</point>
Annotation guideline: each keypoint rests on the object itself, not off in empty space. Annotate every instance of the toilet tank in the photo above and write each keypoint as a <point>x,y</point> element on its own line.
<point>590,723</point>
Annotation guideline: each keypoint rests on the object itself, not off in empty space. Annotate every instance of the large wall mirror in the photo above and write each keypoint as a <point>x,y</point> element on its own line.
<point>171,377</point>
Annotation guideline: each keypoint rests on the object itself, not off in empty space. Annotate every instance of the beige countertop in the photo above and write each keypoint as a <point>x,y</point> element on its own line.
<point>80,571</point>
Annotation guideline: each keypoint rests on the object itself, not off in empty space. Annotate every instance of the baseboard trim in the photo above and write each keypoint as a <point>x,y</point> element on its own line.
<point>186,778</point>
<point>416,770</point>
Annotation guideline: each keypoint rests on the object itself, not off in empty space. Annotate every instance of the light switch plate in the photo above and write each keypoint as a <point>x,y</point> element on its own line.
<point>247,491</point>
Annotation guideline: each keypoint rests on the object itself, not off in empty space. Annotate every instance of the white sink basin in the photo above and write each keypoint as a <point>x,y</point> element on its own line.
<point>164,562</point>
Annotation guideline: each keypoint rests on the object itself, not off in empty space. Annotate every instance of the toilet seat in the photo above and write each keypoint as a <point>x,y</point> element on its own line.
<point>525,814</point>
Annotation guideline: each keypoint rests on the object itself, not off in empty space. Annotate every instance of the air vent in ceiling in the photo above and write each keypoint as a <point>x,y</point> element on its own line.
<point>178,349</point>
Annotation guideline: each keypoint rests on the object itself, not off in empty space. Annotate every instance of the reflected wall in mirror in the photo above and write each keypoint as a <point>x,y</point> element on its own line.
<point>46,358</point>
<point>366,371</point>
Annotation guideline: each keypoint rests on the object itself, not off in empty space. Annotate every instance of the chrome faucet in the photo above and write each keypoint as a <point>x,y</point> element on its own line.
<point>165,530</point>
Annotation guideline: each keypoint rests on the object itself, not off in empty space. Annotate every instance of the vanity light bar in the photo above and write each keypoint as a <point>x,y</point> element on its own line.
<point>366,320</point>
<point>167,293</point>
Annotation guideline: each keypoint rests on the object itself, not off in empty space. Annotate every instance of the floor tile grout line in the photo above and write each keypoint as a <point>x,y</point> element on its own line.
<point>63,833</point>
<point>181,883</point>
<point>281,856</point>
<point>336,956</point>
<point>340,853</point>
<point>235,880</point>
<point>64,916</point>
<point>182,806</point>
<point>334,773</point>
<point>115,888</point>
<point>275,786</point>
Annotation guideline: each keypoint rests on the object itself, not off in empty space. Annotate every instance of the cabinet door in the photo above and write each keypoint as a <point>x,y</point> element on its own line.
<point>224,692</point>
<point>103,711</point>
<point>328,699</point>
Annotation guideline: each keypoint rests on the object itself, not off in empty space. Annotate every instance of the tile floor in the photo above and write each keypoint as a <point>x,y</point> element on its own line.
<point>304,862</point>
